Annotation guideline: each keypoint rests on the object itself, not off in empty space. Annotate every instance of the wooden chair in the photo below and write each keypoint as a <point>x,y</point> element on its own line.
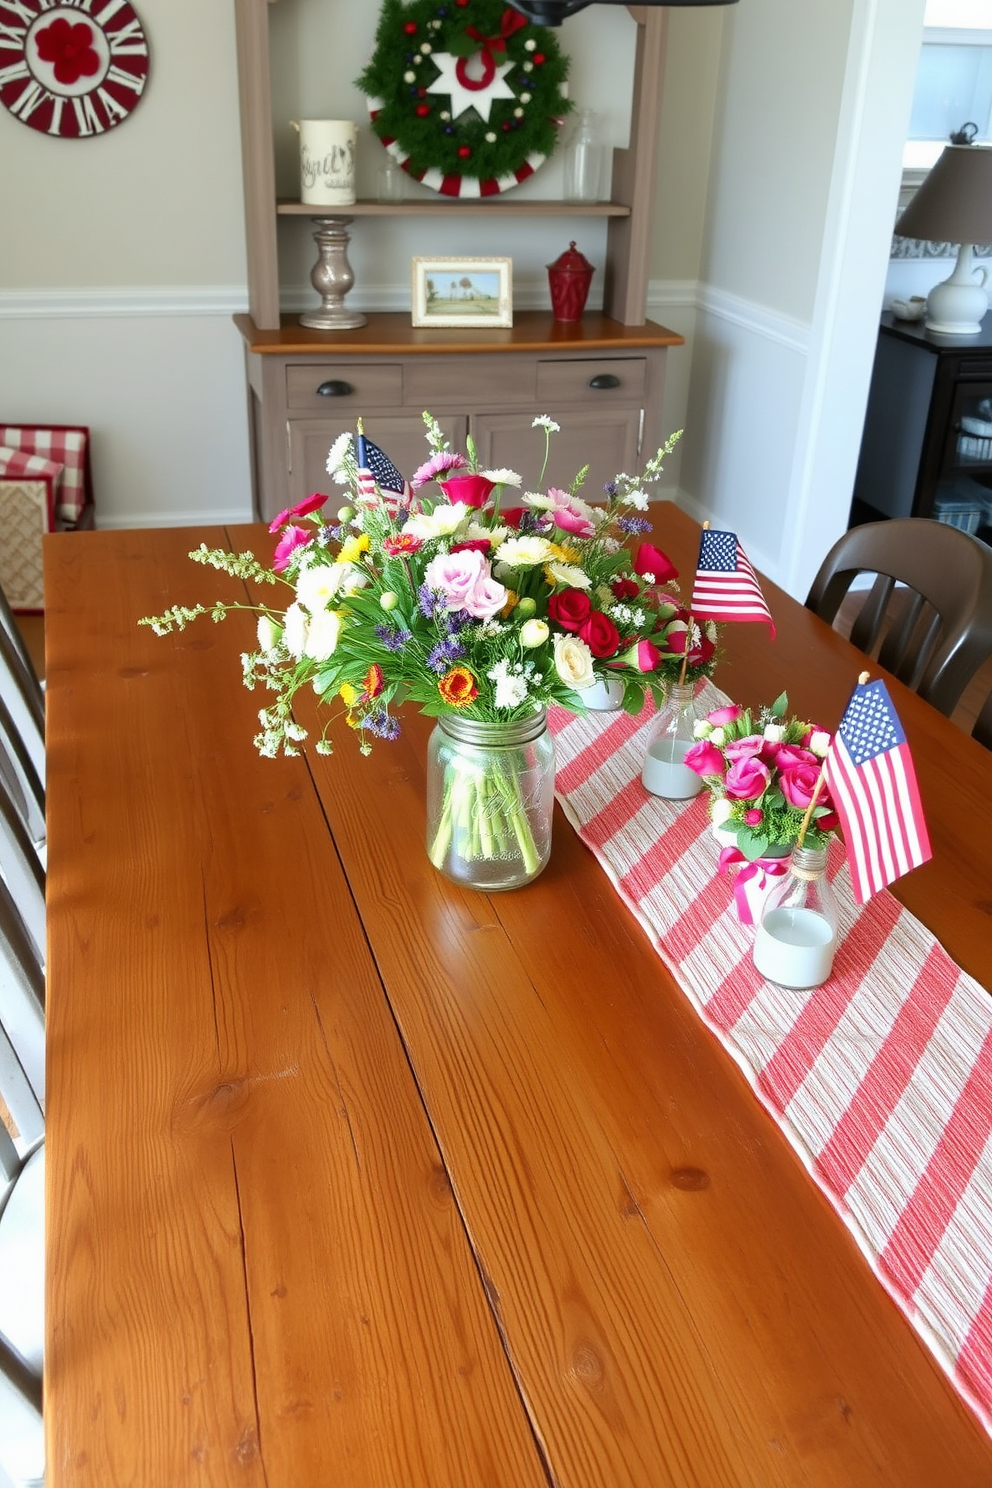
<point>22,1181</point>
<point>24,699</point>
<point>21,869</point>
<point>982,730</point>
<point>18,772</point>
<point>943,632</point>
<point>9,624</point>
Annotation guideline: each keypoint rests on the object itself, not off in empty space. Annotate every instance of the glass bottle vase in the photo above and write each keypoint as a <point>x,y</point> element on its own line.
<point>490,799</point>
<point>796,938</point>
<point>671,736</point>
<point>584,160</point>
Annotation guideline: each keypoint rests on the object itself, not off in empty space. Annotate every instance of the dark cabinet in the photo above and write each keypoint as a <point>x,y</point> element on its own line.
<point>926,450</point>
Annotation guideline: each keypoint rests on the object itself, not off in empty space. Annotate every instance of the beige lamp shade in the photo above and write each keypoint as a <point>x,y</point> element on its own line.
<point>954,205</point>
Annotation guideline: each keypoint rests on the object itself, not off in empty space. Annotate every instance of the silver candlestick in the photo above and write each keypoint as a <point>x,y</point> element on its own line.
<point>332,277</point>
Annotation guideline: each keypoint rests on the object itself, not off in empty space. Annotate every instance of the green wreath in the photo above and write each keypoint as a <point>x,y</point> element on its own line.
<point>465,90</point>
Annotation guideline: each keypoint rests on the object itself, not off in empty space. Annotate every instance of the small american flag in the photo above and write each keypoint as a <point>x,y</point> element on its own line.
<point>726,587</point>
<point>376,470</point>
<point>869,771</point>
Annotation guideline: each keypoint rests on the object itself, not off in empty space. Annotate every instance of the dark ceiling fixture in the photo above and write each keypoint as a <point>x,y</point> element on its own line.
<point>553,12</point>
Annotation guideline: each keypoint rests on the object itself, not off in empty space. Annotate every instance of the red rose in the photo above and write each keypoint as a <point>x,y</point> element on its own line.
<point>651,560</point>
<point>472,545</point>
<point>570,609</point>
<point>599,634</point>
<point>625,588</point>
<point>511,516</point>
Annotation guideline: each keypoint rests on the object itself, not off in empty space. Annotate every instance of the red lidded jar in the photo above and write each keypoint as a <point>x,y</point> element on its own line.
<point>569,277</point>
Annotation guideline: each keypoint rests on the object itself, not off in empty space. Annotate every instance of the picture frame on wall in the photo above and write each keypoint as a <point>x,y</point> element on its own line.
<point>473,292</point>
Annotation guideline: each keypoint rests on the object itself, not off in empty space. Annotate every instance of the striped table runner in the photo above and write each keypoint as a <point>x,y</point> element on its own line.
<point>880,1078</point>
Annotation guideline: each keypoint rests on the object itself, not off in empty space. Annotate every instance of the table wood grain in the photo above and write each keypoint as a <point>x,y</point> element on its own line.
<point>358,1177</point>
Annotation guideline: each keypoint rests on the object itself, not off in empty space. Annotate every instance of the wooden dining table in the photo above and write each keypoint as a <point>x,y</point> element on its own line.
<point>358,1178</point>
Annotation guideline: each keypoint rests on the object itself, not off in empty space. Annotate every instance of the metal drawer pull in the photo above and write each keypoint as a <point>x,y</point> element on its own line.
<point>334,389</point>
<point>604,380</point>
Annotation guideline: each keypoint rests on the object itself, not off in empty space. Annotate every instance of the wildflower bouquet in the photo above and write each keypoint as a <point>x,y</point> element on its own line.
<point>763,772</point>
<point>446,595</point>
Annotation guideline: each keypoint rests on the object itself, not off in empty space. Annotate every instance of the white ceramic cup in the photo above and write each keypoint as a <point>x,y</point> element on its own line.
<point>327,161</point>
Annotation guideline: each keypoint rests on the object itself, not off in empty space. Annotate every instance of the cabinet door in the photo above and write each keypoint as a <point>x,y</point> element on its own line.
<point>604,439</point>
<point>400,436</point>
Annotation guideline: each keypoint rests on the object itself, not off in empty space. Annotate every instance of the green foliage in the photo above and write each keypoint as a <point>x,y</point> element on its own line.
<point>400,72</point>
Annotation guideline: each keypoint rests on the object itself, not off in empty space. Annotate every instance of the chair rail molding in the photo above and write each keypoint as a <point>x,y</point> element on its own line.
<point>109,304</point>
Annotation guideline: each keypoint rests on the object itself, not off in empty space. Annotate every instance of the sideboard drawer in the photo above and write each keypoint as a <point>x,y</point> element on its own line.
<point>611,379</point>
<point>315,387</point>
<point>475,382</point>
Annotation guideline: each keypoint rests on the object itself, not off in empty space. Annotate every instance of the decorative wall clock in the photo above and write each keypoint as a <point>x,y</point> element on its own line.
<point>465,94</point>
<point>73,70</point>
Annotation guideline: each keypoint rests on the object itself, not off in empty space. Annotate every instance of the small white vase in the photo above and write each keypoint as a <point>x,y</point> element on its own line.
<point>603,697</point>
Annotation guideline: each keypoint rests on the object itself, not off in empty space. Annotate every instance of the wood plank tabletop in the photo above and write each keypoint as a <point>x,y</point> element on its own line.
<point>358,1177</point>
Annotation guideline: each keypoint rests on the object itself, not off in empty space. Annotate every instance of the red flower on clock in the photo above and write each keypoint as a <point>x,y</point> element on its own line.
<point>68,46</point>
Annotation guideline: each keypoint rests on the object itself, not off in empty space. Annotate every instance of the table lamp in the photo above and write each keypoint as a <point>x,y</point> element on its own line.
<point>954,205</point>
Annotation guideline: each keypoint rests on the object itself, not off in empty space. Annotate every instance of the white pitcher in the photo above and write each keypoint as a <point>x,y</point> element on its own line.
<point>327,161</point>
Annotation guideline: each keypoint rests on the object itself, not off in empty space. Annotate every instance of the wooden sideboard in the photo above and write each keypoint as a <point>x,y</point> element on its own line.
<point>602,382</point>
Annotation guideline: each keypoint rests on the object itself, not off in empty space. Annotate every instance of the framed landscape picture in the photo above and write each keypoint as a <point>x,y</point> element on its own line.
<point>462,292</point>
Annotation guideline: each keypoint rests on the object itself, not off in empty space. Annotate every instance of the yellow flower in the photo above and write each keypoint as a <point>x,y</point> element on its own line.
<point>352,548</point>
<point>349,693</point>
<point>565,554</point>
<point>511,600</point>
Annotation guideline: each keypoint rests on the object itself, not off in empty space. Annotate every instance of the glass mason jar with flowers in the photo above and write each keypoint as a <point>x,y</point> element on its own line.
<point>479,611</point>
<point>762,770</point>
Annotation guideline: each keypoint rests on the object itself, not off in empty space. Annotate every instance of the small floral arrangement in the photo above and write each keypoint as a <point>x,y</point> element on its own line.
<point>762,773</point>
<point>456,601</point>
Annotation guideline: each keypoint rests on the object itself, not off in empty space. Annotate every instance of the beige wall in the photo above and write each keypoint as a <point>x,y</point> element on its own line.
<point>778,105</point>
<point>155,201</point>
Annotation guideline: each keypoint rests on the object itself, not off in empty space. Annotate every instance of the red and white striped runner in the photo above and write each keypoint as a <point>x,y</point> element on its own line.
<point>881,1078</point>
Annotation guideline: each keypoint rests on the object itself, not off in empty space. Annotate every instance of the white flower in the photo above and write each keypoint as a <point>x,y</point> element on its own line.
<point>718,737</point>
<point>511,687</point>
<point>573,661</point>
<point>774,733</point>
<point>441,522</point>
<point>323,634</point>
<point>568,574</point>
<point>638,499</point>
<point>720,811</point>
<point>702,728</point>
<point>269,633</point>
<point>543,422</point>
<point>624,616</point>
<point>295,633</point>
<point>319,584</point>
<point>523,552</point>
<point>538,501</point>
<point>502,477</point>
<point>340,452</point>
<point>533,633</point>
<point>493,535</point>
<point>819,743</point>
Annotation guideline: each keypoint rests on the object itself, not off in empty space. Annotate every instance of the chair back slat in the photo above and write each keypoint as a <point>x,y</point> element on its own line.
<point>22,1017</point>
<point>17,768</point>
<point>21,870</point>
<point>947,569</point>
<point>22,693</point>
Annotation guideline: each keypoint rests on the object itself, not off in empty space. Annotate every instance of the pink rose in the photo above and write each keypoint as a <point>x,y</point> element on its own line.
<point>466,582</point>
<point>569,519</point>
<point>747,748</point>
<point>301,509</point>
<point>570,609</point>
<point>747,779</point>
<point>798,784</point>
<point>791,757</point>
<point>473,490</point>
<point>644,656</point>
<point>704,758</point>
<point>721,716</point>
<point>292,538</point>
<point>651,560</point>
